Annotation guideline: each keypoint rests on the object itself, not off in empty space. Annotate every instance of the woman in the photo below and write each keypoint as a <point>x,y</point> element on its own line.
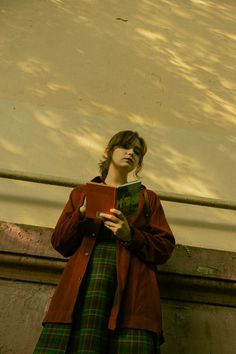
<point>107,300</point>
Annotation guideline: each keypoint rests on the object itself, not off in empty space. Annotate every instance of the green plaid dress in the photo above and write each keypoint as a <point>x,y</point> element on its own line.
<point>88,334</point>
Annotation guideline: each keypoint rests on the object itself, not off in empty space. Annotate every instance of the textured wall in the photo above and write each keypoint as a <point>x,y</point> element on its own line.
<point>74,72</point>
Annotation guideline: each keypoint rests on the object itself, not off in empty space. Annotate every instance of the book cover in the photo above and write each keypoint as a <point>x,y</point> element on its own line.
<point>102,197</point>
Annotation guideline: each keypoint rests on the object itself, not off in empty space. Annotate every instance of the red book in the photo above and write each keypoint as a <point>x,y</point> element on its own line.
<point>102,198</point>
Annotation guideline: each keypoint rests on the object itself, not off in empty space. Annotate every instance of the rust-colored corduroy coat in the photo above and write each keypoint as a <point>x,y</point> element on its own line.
<point>137,299</point>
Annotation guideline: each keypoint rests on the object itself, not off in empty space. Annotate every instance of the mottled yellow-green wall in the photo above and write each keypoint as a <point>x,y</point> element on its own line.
<point>73,73</point>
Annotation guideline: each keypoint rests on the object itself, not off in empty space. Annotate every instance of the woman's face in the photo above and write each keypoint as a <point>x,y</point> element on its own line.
<point>127,157</point>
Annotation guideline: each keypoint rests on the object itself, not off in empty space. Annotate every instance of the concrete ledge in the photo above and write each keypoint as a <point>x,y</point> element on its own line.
<point>27,268</point>
<point>175,286</point>
<point>192,274</point>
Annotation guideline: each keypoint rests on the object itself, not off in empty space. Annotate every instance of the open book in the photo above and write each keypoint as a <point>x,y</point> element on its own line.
<point>102,197</point>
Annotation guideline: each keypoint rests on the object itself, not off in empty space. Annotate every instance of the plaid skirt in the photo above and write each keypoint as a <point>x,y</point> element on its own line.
<point>88,334</point>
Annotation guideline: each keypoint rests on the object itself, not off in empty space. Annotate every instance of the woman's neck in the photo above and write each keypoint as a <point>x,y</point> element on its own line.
<point>115,179</point>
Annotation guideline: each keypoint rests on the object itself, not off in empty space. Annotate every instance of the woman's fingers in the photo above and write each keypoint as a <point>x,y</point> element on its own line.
<point>116,215</point>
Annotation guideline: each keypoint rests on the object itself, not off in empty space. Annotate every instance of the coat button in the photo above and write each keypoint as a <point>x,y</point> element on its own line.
<point>93,234</point>
<point>86,254</point>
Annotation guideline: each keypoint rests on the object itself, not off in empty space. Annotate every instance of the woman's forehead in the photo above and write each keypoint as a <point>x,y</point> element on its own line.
<point>129,141</point>
<point>136,143</point>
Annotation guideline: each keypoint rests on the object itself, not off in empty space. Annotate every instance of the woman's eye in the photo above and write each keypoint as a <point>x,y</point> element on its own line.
<point>137,152</point>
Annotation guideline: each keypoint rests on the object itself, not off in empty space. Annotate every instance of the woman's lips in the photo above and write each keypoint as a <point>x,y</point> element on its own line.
<point>129,160</point>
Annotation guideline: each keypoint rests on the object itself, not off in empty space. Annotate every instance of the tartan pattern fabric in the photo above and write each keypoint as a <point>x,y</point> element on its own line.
<point>130,341</point>
<point>89,334</point>
<point>53,339</point>
<point>89,331</point>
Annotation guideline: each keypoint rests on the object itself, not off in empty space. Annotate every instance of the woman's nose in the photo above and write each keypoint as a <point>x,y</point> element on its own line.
<point>131,151</point>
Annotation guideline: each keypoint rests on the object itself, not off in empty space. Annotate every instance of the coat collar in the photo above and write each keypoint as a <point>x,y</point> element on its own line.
<point>98,179</point>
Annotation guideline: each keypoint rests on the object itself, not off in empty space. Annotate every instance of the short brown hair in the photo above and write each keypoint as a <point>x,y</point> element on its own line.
<point>123,138</point>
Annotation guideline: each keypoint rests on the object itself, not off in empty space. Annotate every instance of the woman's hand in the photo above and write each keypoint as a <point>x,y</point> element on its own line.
<point>82,209</point>
<point>118,224</point>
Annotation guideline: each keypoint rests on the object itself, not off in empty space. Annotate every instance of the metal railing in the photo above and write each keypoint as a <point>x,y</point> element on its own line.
<point>65,182</point>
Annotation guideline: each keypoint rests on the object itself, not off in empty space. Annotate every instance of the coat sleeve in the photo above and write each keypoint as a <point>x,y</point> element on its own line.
<point>153,242</point>
<point>69,230</point>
